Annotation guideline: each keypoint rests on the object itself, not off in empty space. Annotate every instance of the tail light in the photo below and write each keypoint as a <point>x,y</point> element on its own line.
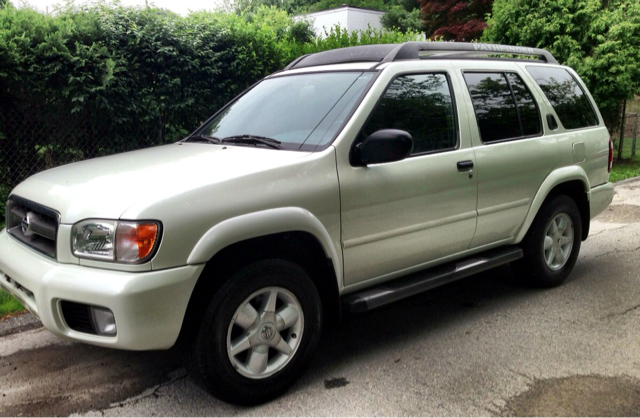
<point>610,155</point>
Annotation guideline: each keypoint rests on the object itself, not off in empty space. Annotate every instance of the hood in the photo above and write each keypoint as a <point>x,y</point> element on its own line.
<point>106,187</point>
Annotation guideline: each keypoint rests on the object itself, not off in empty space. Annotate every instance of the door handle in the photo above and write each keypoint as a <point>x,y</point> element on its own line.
<point>465,165</point>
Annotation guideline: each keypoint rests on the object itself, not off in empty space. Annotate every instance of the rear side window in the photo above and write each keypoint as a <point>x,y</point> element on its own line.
<point>422,105</point>
<point>566,96</point>
<point>504,107</point>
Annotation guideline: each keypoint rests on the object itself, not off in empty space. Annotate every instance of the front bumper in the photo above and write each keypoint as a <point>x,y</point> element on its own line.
<point>148,306</point>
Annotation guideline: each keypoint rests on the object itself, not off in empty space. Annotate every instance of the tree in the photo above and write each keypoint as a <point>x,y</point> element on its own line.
<point>455,20</point>
<point>281,22</point>
<point>600,40</point>
<point>403,15</point>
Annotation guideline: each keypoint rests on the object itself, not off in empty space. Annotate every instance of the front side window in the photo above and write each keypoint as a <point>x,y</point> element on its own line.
<point>503,106</point>
<point>301,111</point>
<point>421,105</point>
<point>566,96</point>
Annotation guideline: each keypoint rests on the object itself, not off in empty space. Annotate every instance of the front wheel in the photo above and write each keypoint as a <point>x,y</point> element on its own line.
<point>552,244</point>
<point>258,334</point>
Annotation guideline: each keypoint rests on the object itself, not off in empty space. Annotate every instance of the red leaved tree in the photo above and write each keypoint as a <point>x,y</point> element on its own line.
<point>455,20</point>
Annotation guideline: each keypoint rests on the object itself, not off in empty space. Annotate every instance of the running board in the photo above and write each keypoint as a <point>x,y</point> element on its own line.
<point>421,281</point>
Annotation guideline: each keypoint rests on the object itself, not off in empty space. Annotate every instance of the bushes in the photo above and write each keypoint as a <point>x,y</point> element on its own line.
<point>600,40</point>
<point>94,80</point>
<point>97,80</point>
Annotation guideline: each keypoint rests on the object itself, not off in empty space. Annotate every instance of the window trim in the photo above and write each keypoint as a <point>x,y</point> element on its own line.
<point>535,102</point>
<point>454,105</point>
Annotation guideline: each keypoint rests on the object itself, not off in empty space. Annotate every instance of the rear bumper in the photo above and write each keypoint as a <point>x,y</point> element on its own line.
<point>599,199</point>
<point>148,306</point>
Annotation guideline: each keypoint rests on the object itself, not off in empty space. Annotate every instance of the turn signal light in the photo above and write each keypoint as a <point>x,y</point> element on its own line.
<point>135,241</point>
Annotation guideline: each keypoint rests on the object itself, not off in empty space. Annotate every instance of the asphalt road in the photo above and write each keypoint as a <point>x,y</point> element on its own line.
<point>481,346</point>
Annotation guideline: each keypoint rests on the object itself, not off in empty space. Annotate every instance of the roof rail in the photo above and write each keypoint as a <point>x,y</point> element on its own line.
<point>414,51</point>
<point>364,53</point>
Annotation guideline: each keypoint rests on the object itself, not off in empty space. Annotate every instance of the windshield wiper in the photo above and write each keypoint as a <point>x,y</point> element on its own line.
<point>204,138</point>
<point>252,139</point>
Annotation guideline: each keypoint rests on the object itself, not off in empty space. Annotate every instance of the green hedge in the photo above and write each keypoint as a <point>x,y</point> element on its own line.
<point>94,80</point>
<point>599,39</point>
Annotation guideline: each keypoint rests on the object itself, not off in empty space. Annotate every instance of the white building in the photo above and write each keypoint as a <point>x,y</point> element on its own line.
<point>347,17</point>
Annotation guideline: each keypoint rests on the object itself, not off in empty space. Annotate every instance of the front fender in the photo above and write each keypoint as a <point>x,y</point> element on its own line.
<point>267,222</point>
<point>555,178</point>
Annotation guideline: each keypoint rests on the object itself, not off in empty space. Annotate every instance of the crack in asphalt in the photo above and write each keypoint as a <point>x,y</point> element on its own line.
<point>521,374</point>
<point>595,234</point>
<point>178,375</point>
<point>616,252</point>
<point>611,315</point>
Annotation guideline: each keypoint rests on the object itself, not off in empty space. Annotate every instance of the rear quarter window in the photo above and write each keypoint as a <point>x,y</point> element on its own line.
<point>567,97</point>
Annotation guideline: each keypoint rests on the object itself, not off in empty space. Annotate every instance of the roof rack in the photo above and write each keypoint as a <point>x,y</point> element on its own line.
<point>414,51</point>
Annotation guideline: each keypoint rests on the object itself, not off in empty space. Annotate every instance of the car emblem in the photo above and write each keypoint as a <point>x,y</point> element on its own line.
<point>267,333</point>
<point>26,225</point>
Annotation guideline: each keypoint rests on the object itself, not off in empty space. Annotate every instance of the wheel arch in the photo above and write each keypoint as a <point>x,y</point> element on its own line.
<point>291,234</point>
<point>571,181</point>
<point>264,223</point>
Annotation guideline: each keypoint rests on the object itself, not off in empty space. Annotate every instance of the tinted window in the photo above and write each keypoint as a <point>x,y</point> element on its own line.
<point>421,105</point>
<point>494,106</point>
<point>527,108</point>
<point>566,96</point>
<point>503,105</point>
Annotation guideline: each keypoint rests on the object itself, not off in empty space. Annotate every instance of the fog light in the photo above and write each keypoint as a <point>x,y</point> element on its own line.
<point>103,321</point>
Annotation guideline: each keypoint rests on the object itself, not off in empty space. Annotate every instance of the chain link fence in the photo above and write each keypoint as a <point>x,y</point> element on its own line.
<point>629,141</point>
<point>33,140</point>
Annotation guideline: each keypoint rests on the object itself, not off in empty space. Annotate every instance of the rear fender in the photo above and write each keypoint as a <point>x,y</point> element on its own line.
<point>554,179</point>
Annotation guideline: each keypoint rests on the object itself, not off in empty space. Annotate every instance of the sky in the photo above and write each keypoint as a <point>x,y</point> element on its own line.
<point>178,6</point>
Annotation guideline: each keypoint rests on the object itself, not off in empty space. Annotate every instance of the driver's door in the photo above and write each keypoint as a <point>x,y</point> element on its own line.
<point>401,215</point>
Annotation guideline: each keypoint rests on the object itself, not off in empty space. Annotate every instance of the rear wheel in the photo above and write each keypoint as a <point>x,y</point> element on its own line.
<point>258,334</point>
<point>552,244</point>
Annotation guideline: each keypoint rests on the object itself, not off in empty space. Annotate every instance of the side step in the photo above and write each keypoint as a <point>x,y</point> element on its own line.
<point>421,281</point>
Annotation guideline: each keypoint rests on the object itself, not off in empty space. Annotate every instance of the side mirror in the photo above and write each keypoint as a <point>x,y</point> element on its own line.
<point>384,146</point>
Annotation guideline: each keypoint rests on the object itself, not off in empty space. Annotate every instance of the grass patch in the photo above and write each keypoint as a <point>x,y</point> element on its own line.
<point>629,166</point>
<point>9,305</point>
<point>625,169</point>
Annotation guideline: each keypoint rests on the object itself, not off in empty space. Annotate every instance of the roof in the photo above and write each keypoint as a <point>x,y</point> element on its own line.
<point>344,7</point>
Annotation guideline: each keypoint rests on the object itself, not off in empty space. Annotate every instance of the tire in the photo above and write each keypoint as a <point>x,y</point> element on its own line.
<point>258,334</point>
<point>552,244</point>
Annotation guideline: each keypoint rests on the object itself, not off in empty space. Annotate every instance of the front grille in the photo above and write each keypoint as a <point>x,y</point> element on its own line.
<point>33,224</point>
<point>78,317</point>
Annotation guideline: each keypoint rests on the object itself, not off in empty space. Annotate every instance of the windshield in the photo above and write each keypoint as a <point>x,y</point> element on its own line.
<point>301,111</point>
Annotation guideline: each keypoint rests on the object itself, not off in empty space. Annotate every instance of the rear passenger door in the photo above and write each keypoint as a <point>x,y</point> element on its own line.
<point>512,154</point>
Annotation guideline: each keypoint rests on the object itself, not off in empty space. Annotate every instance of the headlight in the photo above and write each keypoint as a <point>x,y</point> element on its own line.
<point>120,241</point>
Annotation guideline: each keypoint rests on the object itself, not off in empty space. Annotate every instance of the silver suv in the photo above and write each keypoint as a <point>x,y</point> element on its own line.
<point>351,179</point>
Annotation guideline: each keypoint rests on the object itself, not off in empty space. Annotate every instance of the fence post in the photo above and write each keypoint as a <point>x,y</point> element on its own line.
<point>635,136</point>
<point>624,116</point>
